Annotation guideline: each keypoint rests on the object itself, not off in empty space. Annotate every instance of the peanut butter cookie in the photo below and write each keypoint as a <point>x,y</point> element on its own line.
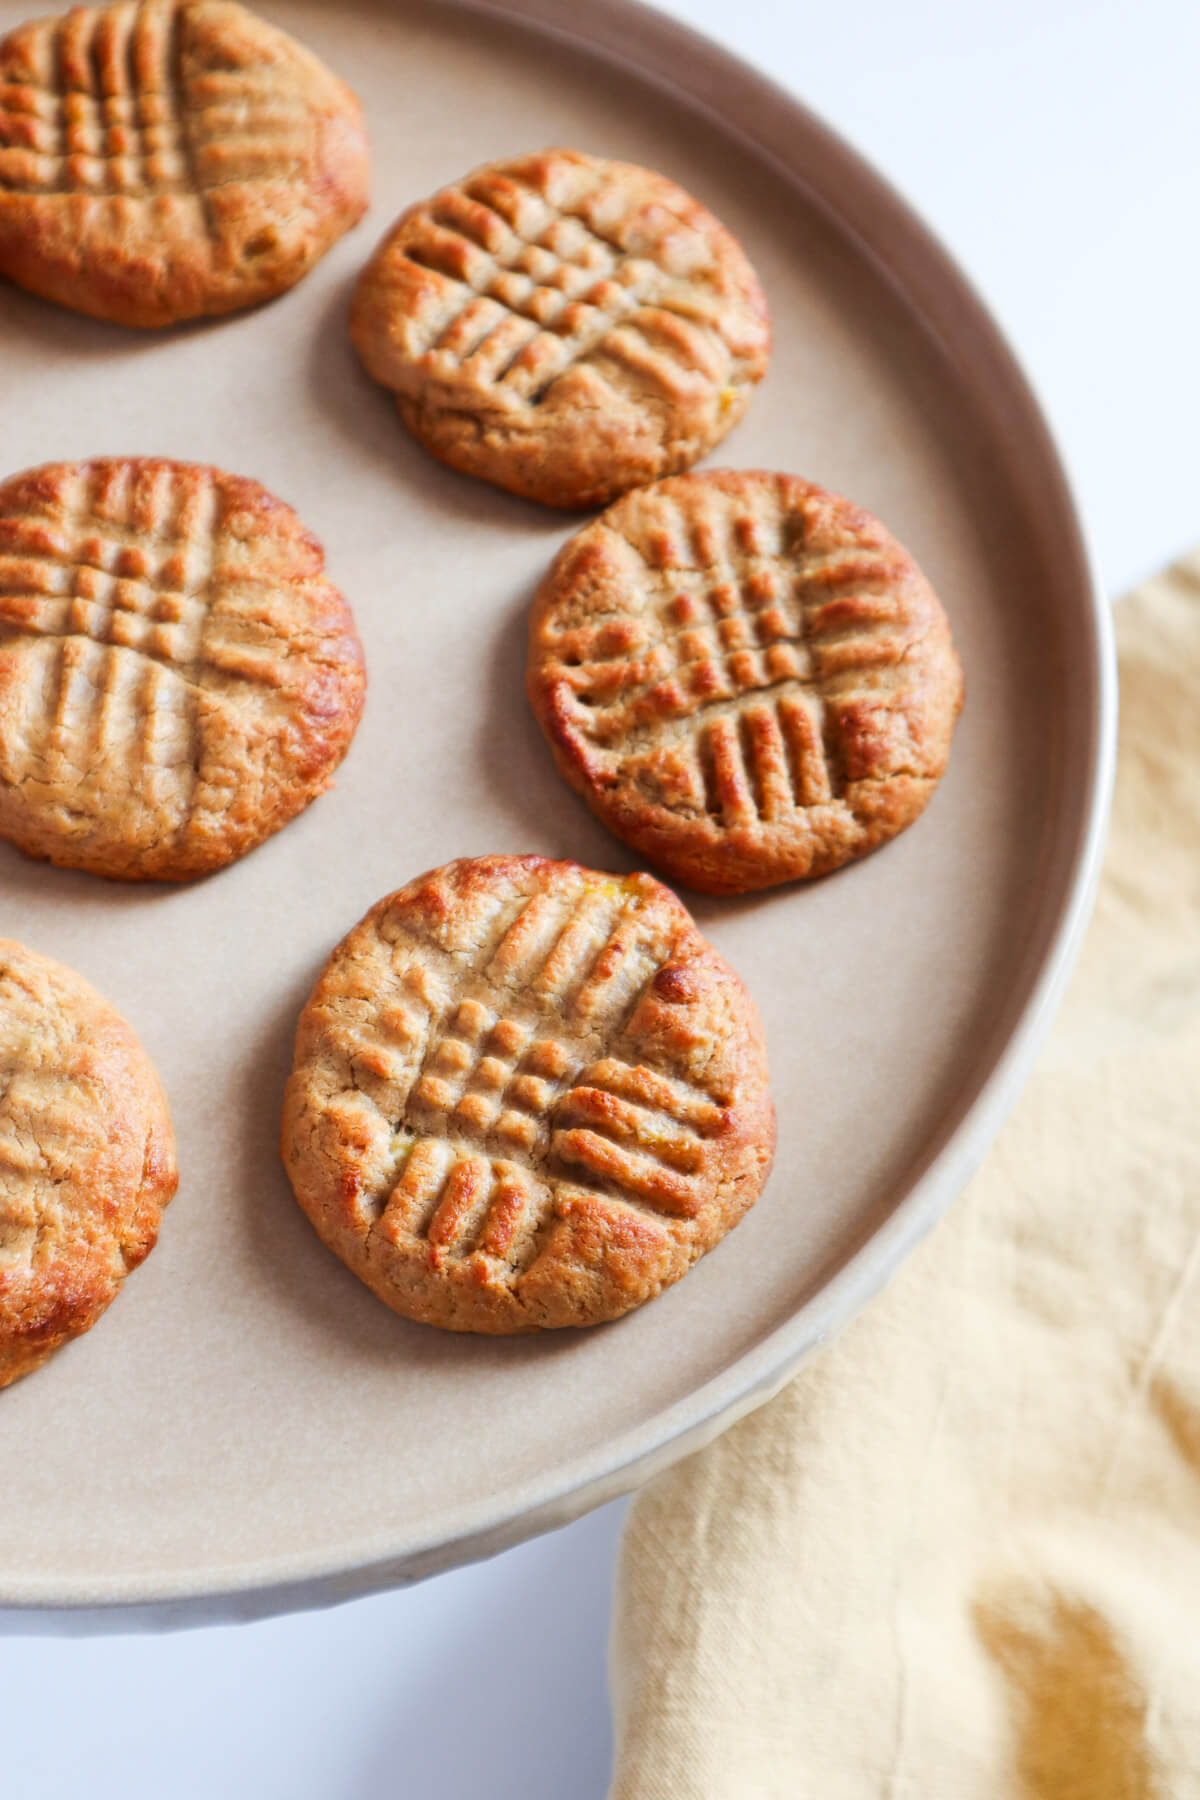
<point>87,1157</point>
<point>526,1095</point>
<point>178,679</point>
<point>164,159</point>
<point>564,326</point>
<point>748,679</point>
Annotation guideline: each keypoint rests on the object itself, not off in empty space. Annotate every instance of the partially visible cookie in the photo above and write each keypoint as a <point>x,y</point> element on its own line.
<point>526,1095</point>
<point>564,326</point>
<point>178,678</point>
<point>87,1157</point>
<point>164,159</point>
<point>747,678</point>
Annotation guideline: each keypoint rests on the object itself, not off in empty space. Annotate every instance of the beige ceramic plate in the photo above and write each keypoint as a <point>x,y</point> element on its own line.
<point>249,1428</point>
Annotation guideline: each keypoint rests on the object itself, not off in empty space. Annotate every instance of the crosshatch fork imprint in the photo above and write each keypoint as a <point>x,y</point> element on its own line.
<point>102,108</point>
<point>177,676</point>
<point>563,325</point>
<point>526,1094</point>
<point>163,159</point>
<point>748,678</point>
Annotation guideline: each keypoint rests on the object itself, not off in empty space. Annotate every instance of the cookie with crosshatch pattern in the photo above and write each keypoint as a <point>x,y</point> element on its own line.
<point>564,326</point>
<point>165,159</point>
<point>747,678</point>
<point>178,678</point>
<point>87,1157</point>
<point>526,1095</point>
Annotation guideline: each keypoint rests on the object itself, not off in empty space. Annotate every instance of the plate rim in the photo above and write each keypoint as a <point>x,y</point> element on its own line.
<point>757,110</point>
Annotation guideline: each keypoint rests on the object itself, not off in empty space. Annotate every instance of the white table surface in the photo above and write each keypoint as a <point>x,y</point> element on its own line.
<point>1052,145</point>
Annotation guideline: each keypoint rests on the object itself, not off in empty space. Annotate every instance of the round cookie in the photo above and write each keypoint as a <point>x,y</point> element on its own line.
<point>87,1157</point>
<point>748,679</point>
<point>526,1095</point>
<point>177,677</point>
<point>165,159</point>
<point>564,326</point>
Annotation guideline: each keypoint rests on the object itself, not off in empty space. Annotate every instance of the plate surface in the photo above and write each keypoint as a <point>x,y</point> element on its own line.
<point>248,1428</point>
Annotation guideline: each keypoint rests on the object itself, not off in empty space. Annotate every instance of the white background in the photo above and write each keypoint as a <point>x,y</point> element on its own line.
<point>1052,144</point>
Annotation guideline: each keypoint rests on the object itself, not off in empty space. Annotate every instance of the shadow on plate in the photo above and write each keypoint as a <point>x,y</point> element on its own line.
<point>366,417</point>
<point>60,334</point>
<point>25,884</point>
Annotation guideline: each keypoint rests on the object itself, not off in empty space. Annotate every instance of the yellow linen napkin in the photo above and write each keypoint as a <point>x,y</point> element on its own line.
<point>959,1556</point>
